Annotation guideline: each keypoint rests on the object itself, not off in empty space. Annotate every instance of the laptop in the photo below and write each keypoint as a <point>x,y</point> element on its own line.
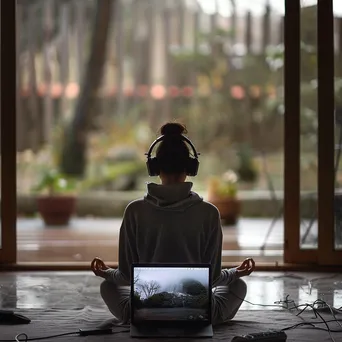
<point>171,300</point>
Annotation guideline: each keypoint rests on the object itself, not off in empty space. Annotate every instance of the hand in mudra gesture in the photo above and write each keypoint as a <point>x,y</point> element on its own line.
<point>99,267</point>
<point>246,268</point>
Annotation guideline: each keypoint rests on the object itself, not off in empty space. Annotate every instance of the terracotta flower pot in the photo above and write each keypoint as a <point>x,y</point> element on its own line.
<point>229,208</point>
<point>56,210</point>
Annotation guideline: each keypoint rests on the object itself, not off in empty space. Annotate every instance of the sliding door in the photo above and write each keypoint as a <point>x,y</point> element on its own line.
<point>312,215</point>
<point>312,224</point>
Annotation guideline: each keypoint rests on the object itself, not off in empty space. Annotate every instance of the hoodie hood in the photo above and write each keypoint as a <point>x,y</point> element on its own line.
<point>175,197</point>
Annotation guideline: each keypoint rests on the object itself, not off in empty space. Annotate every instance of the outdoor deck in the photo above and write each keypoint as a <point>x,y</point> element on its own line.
<point>89,237</point>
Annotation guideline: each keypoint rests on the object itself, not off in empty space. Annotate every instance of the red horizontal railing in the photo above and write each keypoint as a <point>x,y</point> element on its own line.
<point>157,92</point>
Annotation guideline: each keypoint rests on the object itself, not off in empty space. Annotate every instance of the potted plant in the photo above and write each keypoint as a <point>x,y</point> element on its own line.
<point>56,204</point>
<point>222,192</point>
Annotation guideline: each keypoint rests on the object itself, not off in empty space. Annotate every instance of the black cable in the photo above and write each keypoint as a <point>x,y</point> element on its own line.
<point>41,338</point>
<point>318,314</point>
<point>23,337</point>
<point>279,304</point>
<point>331,309</point>
<point>18,338</point>
<point>311,325</point>
<point>304,307</point>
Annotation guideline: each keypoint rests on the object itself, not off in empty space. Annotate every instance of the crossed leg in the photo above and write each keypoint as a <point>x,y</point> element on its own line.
<point>226,300</point>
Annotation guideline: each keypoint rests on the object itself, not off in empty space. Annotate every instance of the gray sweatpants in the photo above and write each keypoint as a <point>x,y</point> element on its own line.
<point>226,299</point>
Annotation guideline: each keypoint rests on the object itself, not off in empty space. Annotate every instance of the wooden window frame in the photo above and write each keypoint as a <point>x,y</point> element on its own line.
<point>8,252</point>
<point>327,254</point>
<point>293,255</point>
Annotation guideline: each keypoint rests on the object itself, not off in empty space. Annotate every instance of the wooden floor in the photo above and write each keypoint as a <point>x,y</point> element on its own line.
<point>86,238</point>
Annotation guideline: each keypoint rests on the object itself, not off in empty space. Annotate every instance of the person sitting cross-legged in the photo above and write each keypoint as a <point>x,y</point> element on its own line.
<point>172,224</point>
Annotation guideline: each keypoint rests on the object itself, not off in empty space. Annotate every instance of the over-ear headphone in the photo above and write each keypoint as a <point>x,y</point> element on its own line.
<point>152,163</point>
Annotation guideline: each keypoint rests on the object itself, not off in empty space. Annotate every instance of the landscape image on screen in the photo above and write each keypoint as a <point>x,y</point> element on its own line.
<point>172,294</point>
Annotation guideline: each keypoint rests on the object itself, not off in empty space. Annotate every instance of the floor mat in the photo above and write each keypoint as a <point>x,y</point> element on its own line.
<point>51,322</point>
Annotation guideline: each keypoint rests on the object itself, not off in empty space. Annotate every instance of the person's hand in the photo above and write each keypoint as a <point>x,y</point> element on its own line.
<point>99,267</point>
<point>246,268</point>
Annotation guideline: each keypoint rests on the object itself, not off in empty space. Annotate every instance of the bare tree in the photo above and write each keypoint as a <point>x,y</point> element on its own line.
<point>136,278</point>
<point>73,159</point>
<point>149,288</point>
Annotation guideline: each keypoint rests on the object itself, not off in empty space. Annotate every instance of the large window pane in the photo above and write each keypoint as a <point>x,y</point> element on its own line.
<point>215,67</point>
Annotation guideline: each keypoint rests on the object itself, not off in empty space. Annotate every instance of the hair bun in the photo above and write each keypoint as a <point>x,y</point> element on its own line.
<point>173,128</point>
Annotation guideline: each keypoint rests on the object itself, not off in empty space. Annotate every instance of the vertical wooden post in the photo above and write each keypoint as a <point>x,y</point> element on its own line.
<point>168,70</point>
<point>281,30</point>
<point>119,54</point>
<point>249,32</point>
<point>181,23</point>
<point>196,32</point>
<point>21,121</point>
<point>233,26</point>
<point>266,27</point>
<point>33,96</point>
<point>196,29</point>
<point>8,250</point>
<point>80,30</point>
<point>292,130</point>
<point>64,53</point>
<point>326,109</point>
<point>48,104</point>
<point>137,52</point>
<point>150,16</point>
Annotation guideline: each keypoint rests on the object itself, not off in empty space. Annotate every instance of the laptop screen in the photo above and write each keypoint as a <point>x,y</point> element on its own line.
<point>171,293</point>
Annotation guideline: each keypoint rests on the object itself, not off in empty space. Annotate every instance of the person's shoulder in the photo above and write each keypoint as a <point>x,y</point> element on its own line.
<point>210,209</point>
<point>134,206</point>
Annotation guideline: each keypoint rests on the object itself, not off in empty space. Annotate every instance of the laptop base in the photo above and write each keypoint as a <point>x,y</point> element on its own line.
<point>144,331</point>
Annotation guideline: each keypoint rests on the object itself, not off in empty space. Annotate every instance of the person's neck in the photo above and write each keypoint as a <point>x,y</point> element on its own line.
<point>170,182</point>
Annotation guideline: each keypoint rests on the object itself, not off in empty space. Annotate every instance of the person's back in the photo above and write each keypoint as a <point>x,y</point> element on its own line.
<point>172,224</point>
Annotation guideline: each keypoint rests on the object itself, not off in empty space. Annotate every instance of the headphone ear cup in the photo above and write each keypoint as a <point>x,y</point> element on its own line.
<point>192,167</point>
<point>153,166</point>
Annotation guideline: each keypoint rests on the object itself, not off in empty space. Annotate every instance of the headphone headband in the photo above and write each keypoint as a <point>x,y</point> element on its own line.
<point>182,137</point>
<point>192,164</point>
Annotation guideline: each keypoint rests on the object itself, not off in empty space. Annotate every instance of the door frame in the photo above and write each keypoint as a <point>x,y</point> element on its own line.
<point>325,253</point>
<point>326,135</point>
<point>8,252</point>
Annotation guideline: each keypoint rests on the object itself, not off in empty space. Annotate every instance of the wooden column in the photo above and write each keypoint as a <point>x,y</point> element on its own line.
<point>33,100</point>
<point>326,108</point>
<point>65,59</point>
<point>8,251</point>
<point>21,120</point>
<point>48,114</point>
<point>118,9</point>
<point>168,65</point>
<point>292,130</point>
<point>248,32</point>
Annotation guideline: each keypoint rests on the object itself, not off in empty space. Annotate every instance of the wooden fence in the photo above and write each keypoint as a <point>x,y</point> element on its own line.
<point>53,45</point>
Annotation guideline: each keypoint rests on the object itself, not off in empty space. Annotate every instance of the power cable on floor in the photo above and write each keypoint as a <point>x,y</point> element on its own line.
<point>287,303</point>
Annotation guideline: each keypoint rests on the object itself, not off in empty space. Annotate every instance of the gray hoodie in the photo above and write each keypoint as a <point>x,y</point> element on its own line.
<point>171,224</point>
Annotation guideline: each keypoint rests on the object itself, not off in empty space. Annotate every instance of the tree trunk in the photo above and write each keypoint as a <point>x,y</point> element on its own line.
<point>73,159</point>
